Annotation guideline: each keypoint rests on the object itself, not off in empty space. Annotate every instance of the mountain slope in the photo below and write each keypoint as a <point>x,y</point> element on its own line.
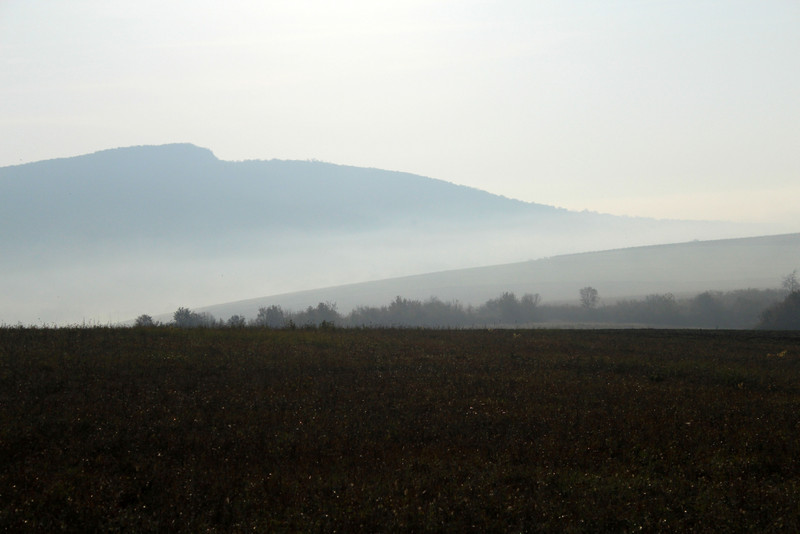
<point>682,269</point>
<point>176,190</point>
<point>103,236</point>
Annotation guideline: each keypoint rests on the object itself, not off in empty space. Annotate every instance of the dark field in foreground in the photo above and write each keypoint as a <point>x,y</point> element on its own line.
<point>387,430</point>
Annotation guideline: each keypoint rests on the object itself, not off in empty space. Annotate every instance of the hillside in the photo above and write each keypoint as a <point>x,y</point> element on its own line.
<point>681,269</point>
<point>105,236</point>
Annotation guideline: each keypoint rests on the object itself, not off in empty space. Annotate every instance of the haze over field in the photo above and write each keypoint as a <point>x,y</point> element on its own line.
<point>511,131</point>
<point>107,236</point>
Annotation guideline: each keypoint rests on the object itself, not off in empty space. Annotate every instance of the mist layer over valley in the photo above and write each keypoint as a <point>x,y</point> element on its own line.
<point>106,236</point>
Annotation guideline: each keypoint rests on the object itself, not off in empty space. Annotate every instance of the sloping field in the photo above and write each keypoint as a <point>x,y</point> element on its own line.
<point>681,269</point>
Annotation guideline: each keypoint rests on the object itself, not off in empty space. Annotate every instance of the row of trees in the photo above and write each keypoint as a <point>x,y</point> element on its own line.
<point>710,309</point>
<point>746,308</point>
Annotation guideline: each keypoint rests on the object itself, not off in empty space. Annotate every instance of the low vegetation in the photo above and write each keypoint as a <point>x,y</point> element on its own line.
<point>370,430</point>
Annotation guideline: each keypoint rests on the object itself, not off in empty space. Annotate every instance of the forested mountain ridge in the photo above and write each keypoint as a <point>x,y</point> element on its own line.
<point>172,189</point>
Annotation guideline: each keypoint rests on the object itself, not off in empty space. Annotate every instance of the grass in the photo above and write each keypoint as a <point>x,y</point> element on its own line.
<point>399,430</point>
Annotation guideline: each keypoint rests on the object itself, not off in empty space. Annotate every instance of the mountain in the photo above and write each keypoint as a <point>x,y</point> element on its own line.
<point>683,269</point>
<point>105,236</point>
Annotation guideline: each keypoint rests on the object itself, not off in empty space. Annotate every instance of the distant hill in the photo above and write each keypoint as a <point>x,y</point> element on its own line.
<point>682,269</point>
<point>105,236</point>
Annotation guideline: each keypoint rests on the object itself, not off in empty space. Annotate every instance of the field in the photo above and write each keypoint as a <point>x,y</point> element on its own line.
<point>225,430</point>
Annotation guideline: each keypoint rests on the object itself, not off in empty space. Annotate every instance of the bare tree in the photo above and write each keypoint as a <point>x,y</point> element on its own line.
<point>790,282</point>
<point>588,297</point>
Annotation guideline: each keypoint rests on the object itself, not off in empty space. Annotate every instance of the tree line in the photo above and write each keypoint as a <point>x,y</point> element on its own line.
<point>746,308</point>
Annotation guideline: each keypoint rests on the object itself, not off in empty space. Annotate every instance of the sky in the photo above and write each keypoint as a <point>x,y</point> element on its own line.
<point>670,109</point>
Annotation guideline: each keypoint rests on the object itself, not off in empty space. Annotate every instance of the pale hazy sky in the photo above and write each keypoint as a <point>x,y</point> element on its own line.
<point>679,109</point>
